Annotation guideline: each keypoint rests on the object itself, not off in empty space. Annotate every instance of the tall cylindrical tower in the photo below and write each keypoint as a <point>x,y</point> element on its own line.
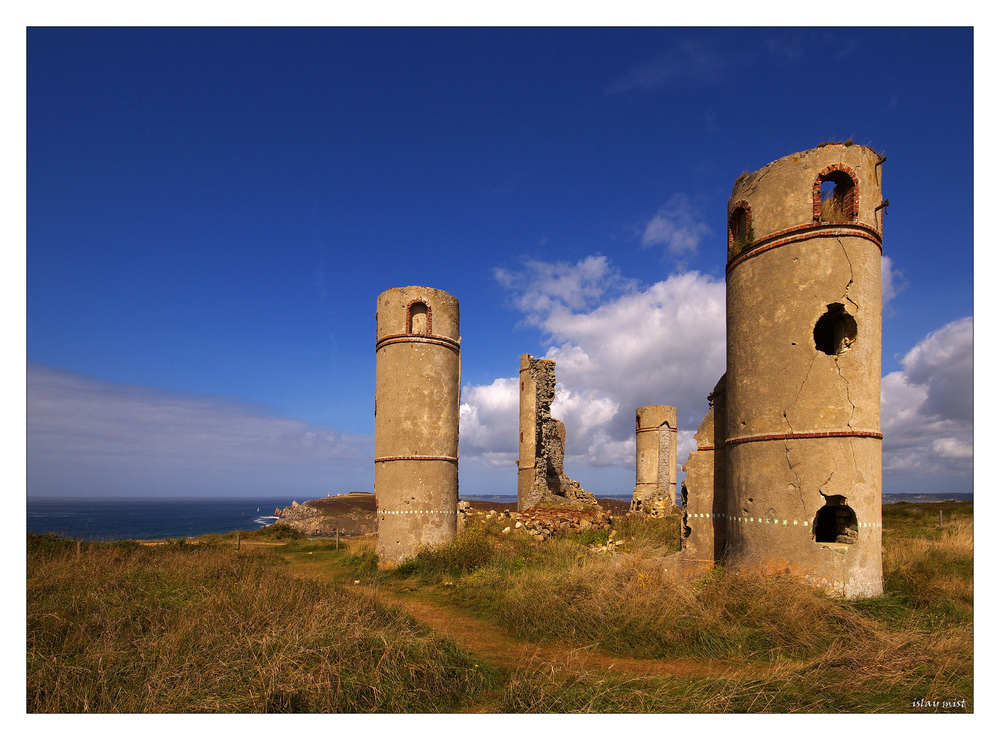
<point>804,341</point>
<point>655,459</point>
<point>417,392</point>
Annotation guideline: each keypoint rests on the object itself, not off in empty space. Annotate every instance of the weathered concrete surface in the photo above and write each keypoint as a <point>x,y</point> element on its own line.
<point>655,459</point>
<point>703,493</point>
<point>804,325</point>
<point>541,479</point>
<point>417,387</point>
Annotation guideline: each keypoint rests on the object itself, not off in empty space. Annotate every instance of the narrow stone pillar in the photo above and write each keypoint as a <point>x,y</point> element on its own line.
<point>655,459</point>
<point>417,394</point>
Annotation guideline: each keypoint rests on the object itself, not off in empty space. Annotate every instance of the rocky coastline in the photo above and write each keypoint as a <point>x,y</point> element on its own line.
<point>349,514</point>
<point>354,515</point>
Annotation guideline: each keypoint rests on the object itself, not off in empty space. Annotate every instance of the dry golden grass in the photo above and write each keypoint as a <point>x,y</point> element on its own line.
<point>178,629</point>
<point>202,630</point>
<point>871,655</point>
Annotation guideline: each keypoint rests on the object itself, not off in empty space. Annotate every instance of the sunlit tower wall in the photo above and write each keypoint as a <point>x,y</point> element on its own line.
<point>417,395</point>
<point>804,339</point>
<point>655,459</point>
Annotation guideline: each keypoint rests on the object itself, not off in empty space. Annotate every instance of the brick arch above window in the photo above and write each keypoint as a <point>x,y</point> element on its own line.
<point>846,193</point>
<point>409,315</point>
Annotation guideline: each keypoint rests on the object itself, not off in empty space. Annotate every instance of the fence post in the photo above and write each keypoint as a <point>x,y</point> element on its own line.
<point>237,542</point>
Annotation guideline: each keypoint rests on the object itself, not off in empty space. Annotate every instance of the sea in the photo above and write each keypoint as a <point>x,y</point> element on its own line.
<point>156,518</point>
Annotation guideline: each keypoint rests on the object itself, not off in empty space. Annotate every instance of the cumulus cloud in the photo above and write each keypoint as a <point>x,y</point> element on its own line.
<point>99,438</point>
<point>616,348</point>
<point>619,346</point>
<point>927,411</point>
<point>892,282</point>
<point>542,288</point>
<point>676,227</point>
<point>488,426</point>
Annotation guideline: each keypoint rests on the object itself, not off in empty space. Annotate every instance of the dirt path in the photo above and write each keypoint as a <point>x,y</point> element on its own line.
<point>493,644</point>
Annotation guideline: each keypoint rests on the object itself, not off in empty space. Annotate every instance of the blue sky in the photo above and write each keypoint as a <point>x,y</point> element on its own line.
<point>211,214</point>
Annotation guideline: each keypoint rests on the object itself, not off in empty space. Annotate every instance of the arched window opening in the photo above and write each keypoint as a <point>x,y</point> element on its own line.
<point>836,522</point>
<point>836,197</point>
<point>835,331</point>
<point>418,318</point>
<point>738,226</point>
<point>637,422</point>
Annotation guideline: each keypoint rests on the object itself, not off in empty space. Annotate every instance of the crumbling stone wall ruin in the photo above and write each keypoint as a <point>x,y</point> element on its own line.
<point>541,479</point>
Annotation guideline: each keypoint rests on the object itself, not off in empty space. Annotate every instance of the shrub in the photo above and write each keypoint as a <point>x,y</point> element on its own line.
<point>469,550</point>
<point>276,532</point>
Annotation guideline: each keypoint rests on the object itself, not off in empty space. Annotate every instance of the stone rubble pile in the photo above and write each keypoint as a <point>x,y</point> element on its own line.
<point>540,523</point>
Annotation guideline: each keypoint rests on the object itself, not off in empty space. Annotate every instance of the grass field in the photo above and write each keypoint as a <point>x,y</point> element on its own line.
<point>492,623</point>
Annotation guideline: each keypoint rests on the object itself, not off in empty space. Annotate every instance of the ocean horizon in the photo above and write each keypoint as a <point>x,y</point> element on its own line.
<point>156,518</point>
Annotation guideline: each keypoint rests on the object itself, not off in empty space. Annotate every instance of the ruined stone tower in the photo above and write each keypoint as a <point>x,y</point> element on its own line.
<point>703,492</point>
<point>803,372</point>
<point>417,389</point>
<point>541,480</point>
<point>655,459</point>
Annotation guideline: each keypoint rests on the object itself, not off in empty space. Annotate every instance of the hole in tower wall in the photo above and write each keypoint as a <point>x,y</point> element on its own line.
<point>685,529</point>
<point>835,331</point>
<point>738,225</point>
<point>836,522</point>
<point>836,197</point>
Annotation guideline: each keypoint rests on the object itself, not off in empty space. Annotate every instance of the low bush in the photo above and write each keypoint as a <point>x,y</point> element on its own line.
<point>479,546</point>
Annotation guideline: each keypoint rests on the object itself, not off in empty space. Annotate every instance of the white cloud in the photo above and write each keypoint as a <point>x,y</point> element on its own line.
<point>488,426</point>
<point>621,348</point>
<point>677,227</point>
<point>625,347</point>
<point>927,411</point>
<point>542,288</point>
<point>100,438</point>
<point>892,282</point>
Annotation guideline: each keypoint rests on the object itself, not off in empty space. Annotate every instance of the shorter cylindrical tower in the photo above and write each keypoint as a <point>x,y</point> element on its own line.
<point>655,459</point>
<point>417,396</point>
<point>528,423</point>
